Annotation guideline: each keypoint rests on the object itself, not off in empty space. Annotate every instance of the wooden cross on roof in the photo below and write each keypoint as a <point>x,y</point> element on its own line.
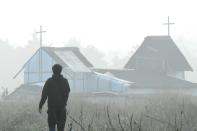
<point>40,54</point>
<point>40,32</point>
<point>168,24</point>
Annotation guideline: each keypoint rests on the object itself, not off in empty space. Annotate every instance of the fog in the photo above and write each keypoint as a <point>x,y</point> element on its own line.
<point>111,30</point>
<point>13,58</point>
<point>189,50</point>
<point>153,94</point>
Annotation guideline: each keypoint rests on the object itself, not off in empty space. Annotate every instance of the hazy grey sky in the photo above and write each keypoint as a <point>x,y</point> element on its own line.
<point>112,26</point>
<point>109,25</point>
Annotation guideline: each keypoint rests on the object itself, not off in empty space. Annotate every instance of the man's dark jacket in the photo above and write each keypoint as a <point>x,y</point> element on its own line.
<point>56,89</point>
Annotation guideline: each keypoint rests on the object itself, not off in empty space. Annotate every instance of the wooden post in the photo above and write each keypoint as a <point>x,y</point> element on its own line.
<point>83,81</point>
<point>40,54</point>
<point>28,73</point>
<point>97,83</point>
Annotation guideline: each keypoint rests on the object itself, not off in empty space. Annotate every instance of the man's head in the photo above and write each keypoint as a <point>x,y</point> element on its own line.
<point>57,69</point>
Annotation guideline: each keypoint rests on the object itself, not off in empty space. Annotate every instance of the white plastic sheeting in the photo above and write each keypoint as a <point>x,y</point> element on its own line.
<point>107,82</point>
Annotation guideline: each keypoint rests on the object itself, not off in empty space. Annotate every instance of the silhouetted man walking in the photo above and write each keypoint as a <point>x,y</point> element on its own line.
<point>56,89</point>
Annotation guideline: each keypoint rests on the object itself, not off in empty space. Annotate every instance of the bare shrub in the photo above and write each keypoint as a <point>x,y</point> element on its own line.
<point>162,112</point>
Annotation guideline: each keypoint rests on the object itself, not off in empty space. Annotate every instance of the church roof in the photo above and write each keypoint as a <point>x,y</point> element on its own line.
<point>161,48</point>
<point>66,56</point>
<point>73,53</point>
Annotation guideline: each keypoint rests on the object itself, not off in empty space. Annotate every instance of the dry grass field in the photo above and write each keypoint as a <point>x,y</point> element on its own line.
<point>88,112</point>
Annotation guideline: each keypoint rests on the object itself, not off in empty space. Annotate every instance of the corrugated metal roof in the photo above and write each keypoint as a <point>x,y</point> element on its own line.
<point>72,61</point>
<point>75,50</point>
<point>81,64</point>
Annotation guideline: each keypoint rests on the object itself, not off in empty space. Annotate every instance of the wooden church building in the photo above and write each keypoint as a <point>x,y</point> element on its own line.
<point>159,54</point>
<point>156,63</point>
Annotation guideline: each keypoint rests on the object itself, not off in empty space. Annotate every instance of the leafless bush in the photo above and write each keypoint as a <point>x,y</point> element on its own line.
<point>175,112</point>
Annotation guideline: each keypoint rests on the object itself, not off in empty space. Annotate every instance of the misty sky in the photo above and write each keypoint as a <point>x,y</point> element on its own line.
<point>115,27</point>
<point>110,25</point>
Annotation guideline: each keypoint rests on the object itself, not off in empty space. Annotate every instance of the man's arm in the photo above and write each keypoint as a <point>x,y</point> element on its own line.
<point>67,91</point>
<point>44,96</point>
